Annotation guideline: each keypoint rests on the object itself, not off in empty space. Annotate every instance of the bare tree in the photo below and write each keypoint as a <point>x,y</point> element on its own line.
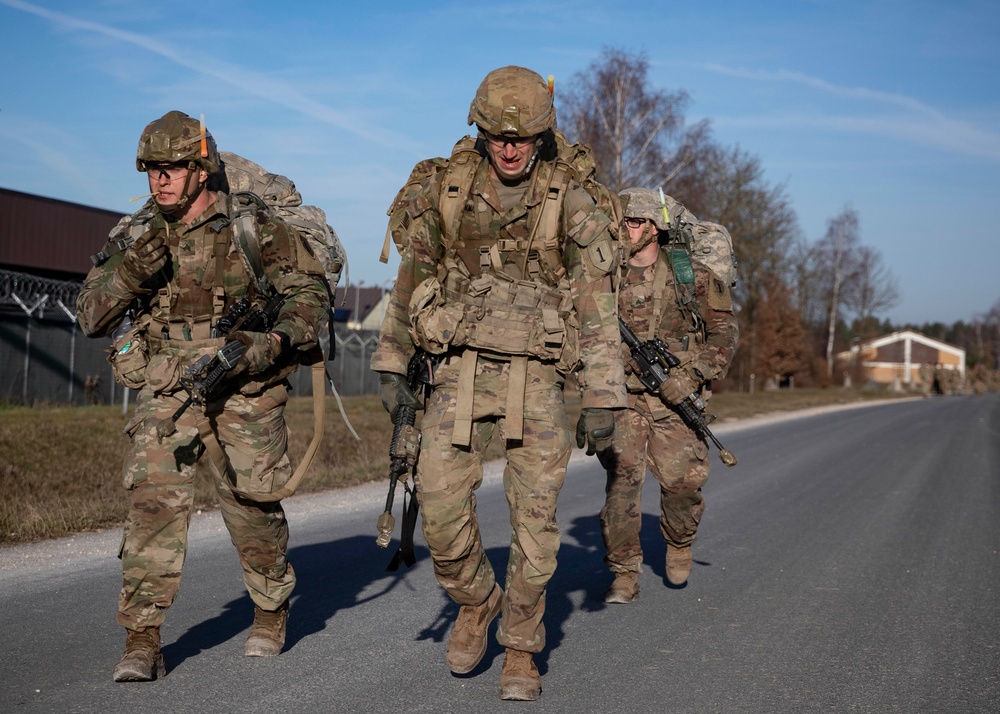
<point>729,187</point>
<point>874,288</point>
<point>837,254</point>
<point>637,134</point>
<point>810,289</point>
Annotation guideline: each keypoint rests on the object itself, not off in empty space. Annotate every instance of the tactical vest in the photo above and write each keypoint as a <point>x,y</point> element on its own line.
<point>498,294</point>
<point>239,228</point>
<point>505,295</point>
<point>674,259</point>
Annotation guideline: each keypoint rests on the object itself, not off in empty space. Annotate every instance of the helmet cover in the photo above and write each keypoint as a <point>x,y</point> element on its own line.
<point>176,138</point>
<point>513,101</point>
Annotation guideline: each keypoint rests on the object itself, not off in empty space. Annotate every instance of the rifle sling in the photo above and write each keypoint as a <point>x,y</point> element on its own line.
<point>405,553</point>
<point>221,465</point>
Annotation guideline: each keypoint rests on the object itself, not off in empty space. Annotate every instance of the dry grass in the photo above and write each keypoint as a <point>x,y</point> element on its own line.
<point>60,466</point>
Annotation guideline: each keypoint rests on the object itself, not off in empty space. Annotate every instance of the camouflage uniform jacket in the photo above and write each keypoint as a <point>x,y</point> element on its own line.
<point>182,303</point>
<point>710,350</point>
<point>484,223</point>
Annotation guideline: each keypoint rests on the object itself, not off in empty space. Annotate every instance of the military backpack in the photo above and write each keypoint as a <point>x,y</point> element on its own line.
<point>707,242</point>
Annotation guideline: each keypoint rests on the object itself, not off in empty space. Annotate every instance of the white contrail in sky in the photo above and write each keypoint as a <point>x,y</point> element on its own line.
<point>249,82</point>
<point>931,128</point>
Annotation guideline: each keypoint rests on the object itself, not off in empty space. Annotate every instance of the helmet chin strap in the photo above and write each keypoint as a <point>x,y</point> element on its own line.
<point>530,165</point>
<point>534,157</point>
<point>185,196</point>
<point>649,234</point>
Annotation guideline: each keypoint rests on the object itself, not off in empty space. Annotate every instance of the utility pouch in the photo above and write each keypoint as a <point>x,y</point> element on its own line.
<point>680,263</point>
<point>129,352</point>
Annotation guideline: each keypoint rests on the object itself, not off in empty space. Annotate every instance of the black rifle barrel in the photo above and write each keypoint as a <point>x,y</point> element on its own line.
<point>655,362</point>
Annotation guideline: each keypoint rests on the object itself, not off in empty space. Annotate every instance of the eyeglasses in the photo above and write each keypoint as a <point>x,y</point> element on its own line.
<point>635,222</point>
<point>502,140</point>
<point>171,171</point>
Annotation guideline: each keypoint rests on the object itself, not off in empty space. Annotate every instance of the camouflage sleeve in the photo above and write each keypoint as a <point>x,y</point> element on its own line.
<point>590,257</point>
<point>722,332</point>
<point>104,298</point>
<point>297,274</point>
<point>419,262</point>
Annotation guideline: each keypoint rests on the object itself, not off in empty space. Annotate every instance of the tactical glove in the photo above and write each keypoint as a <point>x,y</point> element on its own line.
<point>678,386</point>
<point>396,393</point>
<point>261,349</point>
<point>142,260</point>
<point>594,429</point>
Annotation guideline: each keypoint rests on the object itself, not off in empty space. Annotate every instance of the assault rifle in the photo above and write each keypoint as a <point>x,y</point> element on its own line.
<point>655,362</point>
<point>404,450</point>
<point>203,378</point>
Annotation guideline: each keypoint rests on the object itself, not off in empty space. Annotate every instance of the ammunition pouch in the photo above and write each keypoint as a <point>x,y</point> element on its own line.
<point>129,355</point>
<point>498,316</point>
<point>169,358</point>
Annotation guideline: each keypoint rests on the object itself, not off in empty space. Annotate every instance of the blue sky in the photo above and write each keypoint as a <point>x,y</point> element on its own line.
<point>890,106</point>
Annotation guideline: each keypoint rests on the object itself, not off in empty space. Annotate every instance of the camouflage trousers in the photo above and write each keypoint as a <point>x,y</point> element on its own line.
<point>678,460</point>
<point>160,477</point>
<point>448,476</point>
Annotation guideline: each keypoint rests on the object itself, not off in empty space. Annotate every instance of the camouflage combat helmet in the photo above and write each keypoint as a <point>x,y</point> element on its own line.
<point>513,101</point>
<point>176,138</point>
<point>645,203</point>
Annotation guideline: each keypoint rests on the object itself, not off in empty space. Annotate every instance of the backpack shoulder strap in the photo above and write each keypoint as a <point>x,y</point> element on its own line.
<point>659,288</point>
<point>244,208</point>
<point>455,188</point>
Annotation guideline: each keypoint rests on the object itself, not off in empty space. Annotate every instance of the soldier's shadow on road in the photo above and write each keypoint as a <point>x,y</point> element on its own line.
<point>579,583</point>
<point>330,577</point>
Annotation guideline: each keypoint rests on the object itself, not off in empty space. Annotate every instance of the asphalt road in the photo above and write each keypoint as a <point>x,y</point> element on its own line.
<point>849,563</point>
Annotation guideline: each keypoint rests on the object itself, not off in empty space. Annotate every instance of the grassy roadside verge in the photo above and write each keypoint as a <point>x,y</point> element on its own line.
<point>60,466</point>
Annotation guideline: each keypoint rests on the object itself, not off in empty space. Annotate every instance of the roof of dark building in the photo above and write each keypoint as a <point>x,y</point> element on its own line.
<point>357,299</point>
<point>49,237</point>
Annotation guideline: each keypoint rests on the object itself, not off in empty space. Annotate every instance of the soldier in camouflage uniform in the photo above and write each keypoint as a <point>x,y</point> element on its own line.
<point>512,312</point>
<point>694,316</point>
<point>180,276</point>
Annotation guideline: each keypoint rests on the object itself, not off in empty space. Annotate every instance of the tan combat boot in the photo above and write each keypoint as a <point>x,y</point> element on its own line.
<point>678,564</point>
<point>467,644</point>
<point>142,661</point>
<point>624,589</point>
<point>519,679</point>
<point>267,636</point>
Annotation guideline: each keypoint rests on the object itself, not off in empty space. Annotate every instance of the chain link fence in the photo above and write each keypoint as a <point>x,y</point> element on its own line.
<point>47,359</point>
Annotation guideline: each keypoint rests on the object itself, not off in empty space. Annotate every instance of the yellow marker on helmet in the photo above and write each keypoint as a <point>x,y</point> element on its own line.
<point>663,207</point>
<point>552,85</point>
